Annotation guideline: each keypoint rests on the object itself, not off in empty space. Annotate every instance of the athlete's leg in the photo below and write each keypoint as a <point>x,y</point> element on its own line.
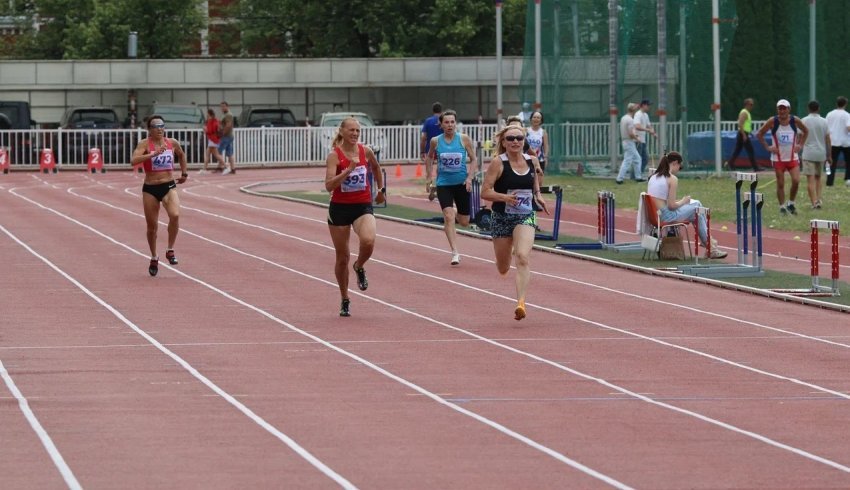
<point>171,203</point>
<point>339,237</point>
<point>151,207</point>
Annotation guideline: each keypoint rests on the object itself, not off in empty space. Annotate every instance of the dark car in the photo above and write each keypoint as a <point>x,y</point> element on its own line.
<point>21,143</point>
<point>85,128</point>
<point>266,117</point>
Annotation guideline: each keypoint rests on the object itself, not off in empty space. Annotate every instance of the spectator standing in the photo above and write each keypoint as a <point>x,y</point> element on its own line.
<point>628,135</point>
<point>789,135</point>
<point>743,140</point>
<point>213,132</point>
<point>525,114</point>
<point>538,139</point>
<point>225,146</point>
<point>838,121</point>
<point>816,150</point>
<point>643,127</point>
<point>431,128</point>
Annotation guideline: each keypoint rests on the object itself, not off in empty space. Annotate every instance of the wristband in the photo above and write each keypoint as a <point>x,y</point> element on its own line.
<point>383,190</point>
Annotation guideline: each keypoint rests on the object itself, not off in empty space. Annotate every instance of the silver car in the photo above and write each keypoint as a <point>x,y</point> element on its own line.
<point>369,134</point>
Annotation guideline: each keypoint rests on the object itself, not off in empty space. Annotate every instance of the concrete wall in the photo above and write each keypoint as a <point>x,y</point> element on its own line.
<point>391,90</point>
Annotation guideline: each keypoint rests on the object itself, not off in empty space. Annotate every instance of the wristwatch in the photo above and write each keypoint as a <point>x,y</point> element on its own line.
<point>383,190</point>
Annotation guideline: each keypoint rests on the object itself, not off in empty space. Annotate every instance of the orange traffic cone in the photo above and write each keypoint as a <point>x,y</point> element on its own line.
<point>419,170</point>
<point>398,170</point>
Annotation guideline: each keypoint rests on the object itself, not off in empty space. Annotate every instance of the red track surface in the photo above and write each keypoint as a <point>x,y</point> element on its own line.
<point>233,370</point>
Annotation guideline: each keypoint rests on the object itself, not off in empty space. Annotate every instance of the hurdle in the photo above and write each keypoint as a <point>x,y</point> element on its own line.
<point>745,204</point>
<point>606,204</point>
<point>817,288</point>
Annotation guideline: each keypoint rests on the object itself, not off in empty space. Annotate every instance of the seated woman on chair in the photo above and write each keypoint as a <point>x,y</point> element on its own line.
<point>662,188</point>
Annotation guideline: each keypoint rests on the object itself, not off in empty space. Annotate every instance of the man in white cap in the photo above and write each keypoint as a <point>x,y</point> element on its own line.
<point>789,134</point>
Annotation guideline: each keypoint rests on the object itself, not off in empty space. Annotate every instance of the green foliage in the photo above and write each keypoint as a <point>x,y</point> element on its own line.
<point>380,28</point>
<point>98,29</point>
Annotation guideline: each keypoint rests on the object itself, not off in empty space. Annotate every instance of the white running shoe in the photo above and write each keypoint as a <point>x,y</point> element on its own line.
<point>226,171</point>
<point>455,258</point>
<point>201,172</point>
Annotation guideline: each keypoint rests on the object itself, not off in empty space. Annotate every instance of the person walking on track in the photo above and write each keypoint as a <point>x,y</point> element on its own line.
<point>512,184</point>
<point>743,140</point>
<point>789,135</point>
<point>452,150</point>
<point>347,179</point>
<point>157,153</point>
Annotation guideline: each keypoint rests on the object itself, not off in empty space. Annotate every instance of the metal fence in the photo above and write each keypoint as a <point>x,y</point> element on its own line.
<point>303,145</point>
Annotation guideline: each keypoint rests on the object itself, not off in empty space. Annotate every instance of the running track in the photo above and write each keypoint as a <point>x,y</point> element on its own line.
<point>233,369</point>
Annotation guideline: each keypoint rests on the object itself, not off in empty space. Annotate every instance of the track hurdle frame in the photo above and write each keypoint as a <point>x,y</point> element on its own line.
<point>817,288</point>
<point>751,204</point>
<point>606,206</point>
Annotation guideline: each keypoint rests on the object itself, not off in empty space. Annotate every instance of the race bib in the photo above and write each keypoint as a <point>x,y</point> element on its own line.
<point>785,139</point>
<point>356,180</point>
<point>451,162</point>
<point>523,202</point>
<point>163,161</point>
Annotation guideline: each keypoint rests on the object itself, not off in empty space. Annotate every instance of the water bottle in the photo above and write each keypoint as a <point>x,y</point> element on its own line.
<point>828,169</point>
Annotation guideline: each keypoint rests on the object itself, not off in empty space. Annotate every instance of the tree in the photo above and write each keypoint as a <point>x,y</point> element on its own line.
<point>380,28</point>
<point>98,29</point>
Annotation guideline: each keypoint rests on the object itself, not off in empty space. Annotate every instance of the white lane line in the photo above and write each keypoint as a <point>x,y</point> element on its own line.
<point>291,443</point>
<point>823,339</point>
<point>297,448</point>
<point>556,365</point>
<point>42,434</point>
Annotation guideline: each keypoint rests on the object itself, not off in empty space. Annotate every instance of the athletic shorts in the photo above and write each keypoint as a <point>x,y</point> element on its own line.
<point>344,214</point>
<point>812,168</point>
<point>502,224</point>
<point>159,190</point>
<point>225,146</point>
<point>454,194</point>
<point>783,166</point>
<point>211,144</point>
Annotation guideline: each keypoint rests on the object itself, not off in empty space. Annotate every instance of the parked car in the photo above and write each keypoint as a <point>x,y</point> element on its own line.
<point>330,121</point>
<point>185,123</point>
<point>268,117</point>
<point>84,128</point>
<point>20,142</point>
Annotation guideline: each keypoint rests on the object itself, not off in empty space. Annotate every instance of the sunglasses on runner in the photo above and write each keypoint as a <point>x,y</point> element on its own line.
<point>514,138</point>
<point>158,126</point>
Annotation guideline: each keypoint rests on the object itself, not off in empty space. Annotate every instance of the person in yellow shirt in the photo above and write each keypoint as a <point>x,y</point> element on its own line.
<point>743,140</point>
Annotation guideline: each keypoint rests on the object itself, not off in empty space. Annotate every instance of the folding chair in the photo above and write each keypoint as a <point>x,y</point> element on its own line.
<point>653,215</point>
